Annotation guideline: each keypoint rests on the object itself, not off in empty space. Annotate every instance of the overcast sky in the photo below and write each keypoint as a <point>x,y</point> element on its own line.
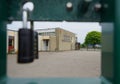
<point>79,28</point>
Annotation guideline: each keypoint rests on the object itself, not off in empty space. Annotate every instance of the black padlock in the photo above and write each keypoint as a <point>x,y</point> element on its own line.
<point>25,46</point>
<point>35,45</point>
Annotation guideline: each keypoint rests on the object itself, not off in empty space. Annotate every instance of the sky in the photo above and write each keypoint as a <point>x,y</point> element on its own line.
<point>79,28</point>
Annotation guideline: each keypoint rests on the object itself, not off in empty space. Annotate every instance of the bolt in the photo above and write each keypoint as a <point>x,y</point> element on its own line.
<point>97,7</point>
<point>69,5</point>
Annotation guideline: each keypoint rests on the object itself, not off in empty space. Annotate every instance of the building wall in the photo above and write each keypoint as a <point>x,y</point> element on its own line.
<point>46,35</point>
<point>15,35</point>
<point>39,42</point>
<point>41,46</point>
<point>52,43</point>
<point>60,41</point>
<point>16,42</point>
<point>65,40</point>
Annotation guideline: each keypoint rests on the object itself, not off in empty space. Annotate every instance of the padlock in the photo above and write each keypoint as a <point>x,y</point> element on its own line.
<point>25,46</point>
<point>25,41</point>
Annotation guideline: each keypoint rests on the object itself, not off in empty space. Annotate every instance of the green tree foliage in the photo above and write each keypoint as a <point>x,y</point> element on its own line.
<point>93,37</point>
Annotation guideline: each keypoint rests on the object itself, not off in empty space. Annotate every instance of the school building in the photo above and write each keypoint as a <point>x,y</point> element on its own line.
<point>51,39</point>
<point>56,39</point>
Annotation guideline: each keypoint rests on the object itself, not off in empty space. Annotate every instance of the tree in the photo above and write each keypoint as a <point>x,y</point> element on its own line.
<point>93,38</point>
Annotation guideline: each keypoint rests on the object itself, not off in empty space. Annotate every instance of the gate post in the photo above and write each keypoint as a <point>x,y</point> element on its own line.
<point>3,19</point>
<point>117,42</point>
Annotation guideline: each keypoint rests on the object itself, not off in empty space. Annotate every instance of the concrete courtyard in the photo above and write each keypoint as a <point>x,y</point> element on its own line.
<point>57,64</point>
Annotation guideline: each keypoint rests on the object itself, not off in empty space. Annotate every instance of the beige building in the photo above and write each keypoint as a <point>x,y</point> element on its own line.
<point>56,39</point>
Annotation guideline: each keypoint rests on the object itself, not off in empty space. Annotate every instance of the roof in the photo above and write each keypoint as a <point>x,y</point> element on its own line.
<point>12,30</point>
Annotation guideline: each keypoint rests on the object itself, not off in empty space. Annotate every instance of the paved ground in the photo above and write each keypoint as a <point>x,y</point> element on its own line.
<point>58,64</point>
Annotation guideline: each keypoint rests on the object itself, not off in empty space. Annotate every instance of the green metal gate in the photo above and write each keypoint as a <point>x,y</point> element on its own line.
<point>55,10</point>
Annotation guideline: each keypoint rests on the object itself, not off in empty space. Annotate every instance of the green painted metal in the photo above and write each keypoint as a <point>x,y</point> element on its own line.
<point>3,17</point>
<point>4,9</point>
<point>108,11</point>
<point>107,65</point>
<point>54,81</point>
<point>111,41</point>
<point>107,19</point>
<point>55,10</point>
<point>117,42</point>
<point>2,49</point>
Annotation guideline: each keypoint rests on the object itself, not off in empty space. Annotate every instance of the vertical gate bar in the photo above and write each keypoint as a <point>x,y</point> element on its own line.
<point>117,42</point>
<point>2,49</point>
<point>3,18</point>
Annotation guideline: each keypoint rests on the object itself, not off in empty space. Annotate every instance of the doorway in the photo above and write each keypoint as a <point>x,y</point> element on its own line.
<point>45,45</point>
<point>10,44</point>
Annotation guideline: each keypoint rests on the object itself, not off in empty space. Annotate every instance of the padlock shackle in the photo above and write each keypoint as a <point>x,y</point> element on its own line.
<point>27,7</point>
<point>25,17</point>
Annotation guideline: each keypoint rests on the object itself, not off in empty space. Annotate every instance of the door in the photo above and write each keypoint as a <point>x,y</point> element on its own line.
<point>45,45</point>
